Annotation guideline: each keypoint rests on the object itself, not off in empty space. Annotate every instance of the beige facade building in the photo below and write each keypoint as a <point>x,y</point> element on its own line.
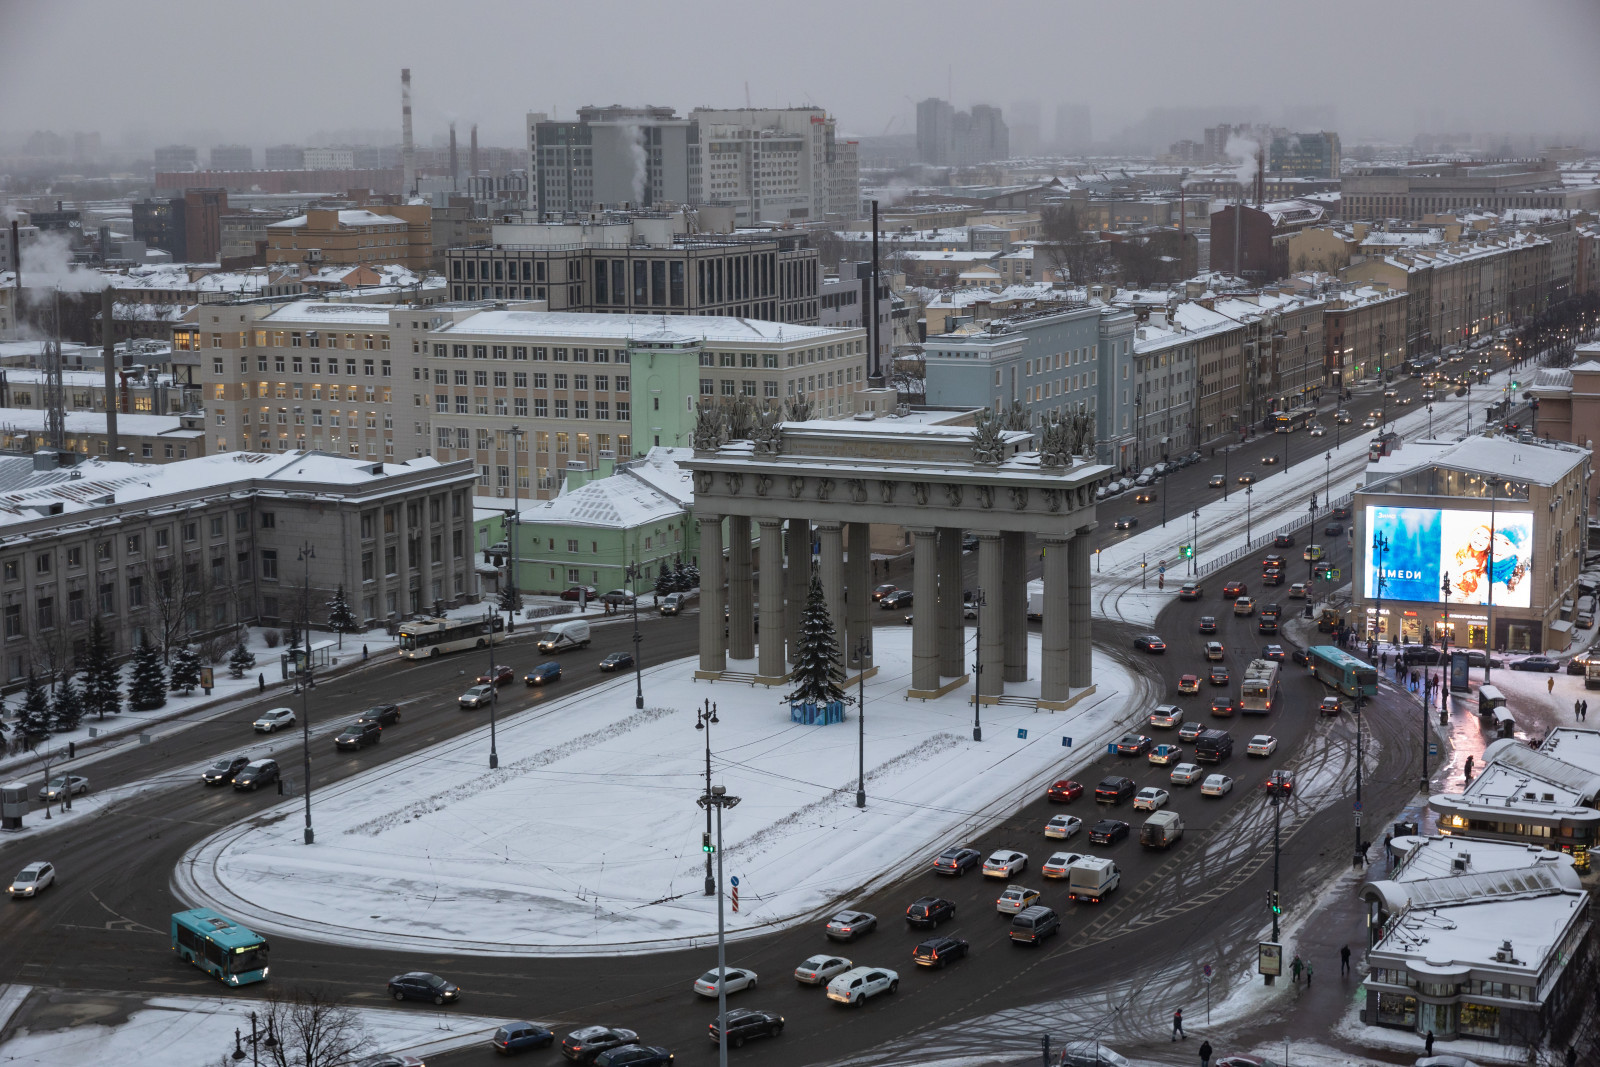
<point>1363,332</point>
<point>389,233</point>
<point>1319,248</point>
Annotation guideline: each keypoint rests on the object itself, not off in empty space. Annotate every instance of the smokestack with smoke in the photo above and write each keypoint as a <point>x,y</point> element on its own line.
<point>1243,150</point>
<point>408,152</point>
<point>454,171</point>
<point>472,154</point>
<point>47,263</point>
<point>640,163</point>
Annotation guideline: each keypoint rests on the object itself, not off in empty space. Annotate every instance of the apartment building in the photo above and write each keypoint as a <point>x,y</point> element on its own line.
<point>395,233</point>
<point>1283,351</point>
<point>776,165</point>
<point>1412,190</point>
<point>612,157</point>
<point>630,263</point>
<point>455,380</point>
<point>1363,332</point>
<point>1215,344</point>
<point>187,550</point>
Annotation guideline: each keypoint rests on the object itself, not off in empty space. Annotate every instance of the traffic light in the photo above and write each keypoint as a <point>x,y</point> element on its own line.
<point>705,843</point>
<point>1272,902</point>
<point>1515,386</point>
<point>1186,551</point>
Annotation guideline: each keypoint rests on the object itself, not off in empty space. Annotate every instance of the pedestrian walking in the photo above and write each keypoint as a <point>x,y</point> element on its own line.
<point>1296,966</point>
<point>1428,1044</point>
<point>1577,709</point>
<point>1585,709</point>
<point>261,680</point>
<point>1572,1056</point>
<point>1177,1025</point>
<point>1469,768</point>
<point>1344,959</point>
<point>1550,685</point>
<point>1205,1055</point>
<point>1308,974</point>
<point>363,652</point>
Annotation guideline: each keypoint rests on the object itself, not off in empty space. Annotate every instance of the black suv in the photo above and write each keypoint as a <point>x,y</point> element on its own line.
<point>745,1023</point>
<point>382,714</point>
<point>224,770</point>
<point>359,735</point>
<point>938,951</point>
<point>256,774</point>
<point>1114,790</point>
<point>930,911</point>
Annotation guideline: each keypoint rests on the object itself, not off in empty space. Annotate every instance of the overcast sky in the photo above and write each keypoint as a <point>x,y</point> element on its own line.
<point>209,71</point>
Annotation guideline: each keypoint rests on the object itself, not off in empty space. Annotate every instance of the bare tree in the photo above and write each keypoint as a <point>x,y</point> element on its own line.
<point>313,1029</point>
<point>177,594</point>
<point>1069,247</point>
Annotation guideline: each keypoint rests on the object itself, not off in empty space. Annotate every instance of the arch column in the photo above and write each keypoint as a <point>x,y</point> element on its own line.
<point>860,582</point>
<point>1014,587</point>
<point>771,635</point>
<point>952,633</point>
<point>1080,657</point>
<point>741,602</point>
<point>713,647</point>
<point>831,534</point>
<point>1053,667</point>
<point>924,605</point>
<point>991,617</point>
<point>797,582</point>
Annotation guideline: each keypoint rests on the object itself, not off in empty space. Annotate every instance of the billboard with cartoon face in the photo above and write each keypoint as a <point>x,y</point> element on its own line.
<point>1471,550</point>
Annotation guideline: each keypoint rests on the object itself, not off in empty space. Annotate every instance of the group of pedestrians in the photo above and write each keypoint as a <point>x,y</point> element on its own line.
<point>1580,710</point>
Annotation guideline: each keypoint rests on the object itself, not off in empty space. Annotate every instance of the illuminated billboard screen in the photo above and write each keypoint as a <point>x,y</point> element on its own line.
<point>1470,549</point>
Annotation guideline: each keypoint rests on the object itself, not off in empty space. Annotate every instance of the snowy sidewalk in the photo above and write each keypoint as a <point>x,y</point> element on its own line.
<point>587,837</point>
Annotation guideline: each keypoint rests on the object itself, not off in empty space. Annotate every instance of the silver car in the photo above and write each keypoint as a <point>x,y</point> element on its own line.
<point>477,696</point>
<point>817,970</point>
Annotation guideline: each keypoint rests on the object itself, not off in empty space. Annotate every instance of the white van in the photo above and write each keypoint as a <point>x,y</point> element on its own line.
<point>562,635</point>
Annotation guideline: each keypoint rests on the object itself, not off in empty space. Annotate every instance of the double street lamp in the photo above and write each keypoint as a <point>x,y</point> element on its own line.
<point>978,601</point>
<point>717,797</point>
<point>638,670</point>
<point>703,718</point>
<point>494,691</point>
<point>308,553</point>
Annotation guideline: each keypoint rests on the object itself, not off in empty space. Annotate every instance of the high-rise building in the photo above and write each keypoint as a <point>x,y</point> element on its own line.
<point>1074,132</point>
<point>987,136</point>
<point>188,226</point>
<point>330,159</point>
<point>1026,137</point>
<point>177,157</point>
<point>776,164</point>
<point>935,125</point>
<point>1305,155</point>
<point>950,138</point>
<point>233,157</point>
<point>611,156</point>
<point>286,157</point>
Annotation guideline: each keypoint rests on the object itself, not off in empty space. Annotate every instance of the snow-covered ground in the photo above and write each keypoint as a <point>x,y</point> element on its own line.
<point>587,837</point>
<point>199,1032</point>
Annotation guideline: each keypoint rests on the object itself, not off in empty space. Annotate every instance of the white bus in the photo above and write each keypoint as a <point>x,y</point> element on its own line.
<point>1259,690</point>
<point>423,638</point>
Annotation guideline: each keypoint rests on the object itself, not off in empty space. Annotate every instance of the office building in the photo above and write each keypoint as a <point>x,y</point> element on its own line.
<point>613,157</point>
<point>188,226</point>
<point>233,157</point>
<point>387,233</point>
<point>285,157</point>
<point>330,159</point>
<point>176,157</point>
<point>950,138</point>
<point>779,165</point>
<point>1305,155</point>
<point>1412,190</point>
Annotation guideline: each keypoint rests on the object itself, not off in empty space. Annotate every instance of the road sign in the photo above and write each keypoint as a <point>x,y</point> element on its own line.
<point>1066,742</point>
<point>1356,805</point>
<point>1333,574</point>
<point>1206,970</point>
<point>1162,570</point>
<point>1022,735</point>
<point>734,881</point>
<point>1433,750</point>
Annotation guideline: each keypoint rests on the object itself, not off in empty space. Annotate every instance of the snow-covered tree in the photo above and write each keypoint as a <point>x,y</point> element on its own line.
<point>340,618</point>
<point>185,669</point>
<point>35,718</point>
<point>102,682</point>
<point>66,711</point>
<point>818,669</point>
<point>147,689</point>
<point>241,659</point>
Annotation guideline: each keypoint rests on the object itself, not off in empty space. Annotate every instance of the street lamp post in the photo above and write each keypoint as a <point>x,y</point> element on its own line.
<point>307,553</point>
<point>1194,547</point>
<point>718,798</point>
<point>1275,797</point>
<point>638,668</point>
<point>1380,545</point>
<point>1430,420</point>
<point>1360,700</point>
<point>704,717</point>
<point>1249,490</point>
<point>1327,481</point>
<point>861,725</point>
<point>978,601</point>
<point>1163,487</point>
<point>516,527</point>
<point>494,694</point>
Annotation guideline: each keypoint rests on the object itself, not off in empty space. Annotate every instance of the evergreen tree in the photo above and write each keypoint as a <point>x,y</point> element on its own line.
<point>240,660</point>
<point>818,670</point>
<point>665,583</point>
<point>147,689</point>
<point>340,618</point>
<point>67,709</point>
<point>102,682</point>
<point>186,670</point>
<point>291,636</point>
<point>35,718</point>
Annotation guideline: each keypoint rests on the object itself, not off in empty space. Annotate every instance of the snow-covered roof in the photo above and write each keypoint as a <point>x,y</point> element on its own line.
<point>616,503</point>
<point>660,470</point>
<point>347,217</point>
<point>621,328</point>
<point>316,312</point>
<point>80,422</point>
<point>1439,856</point>
<point>1542,463</point>
<point>1447,940</point>
<point>918,256</point>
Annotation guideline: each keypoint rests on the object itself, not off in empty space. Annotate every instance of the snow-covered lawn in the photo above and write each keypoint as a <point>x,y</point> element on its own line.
<point>198,1032</point>
<point>587,837</point>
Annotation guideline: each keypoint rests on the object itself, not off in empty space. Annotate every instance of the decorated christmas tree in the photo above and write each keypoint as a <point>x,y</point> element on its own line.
<point>818,670</point>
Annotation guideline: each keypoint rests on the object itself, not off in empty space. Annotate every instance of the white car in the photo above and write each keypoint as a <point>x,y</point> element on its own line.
<point>476,697</point>
<point>737,979</point>
<point>1149,799</point>
<point>34,878</point>
<point>1261,745</point>
<point>70,785</point>
<point>859,983</point>
<point>1186,774</point>
<point>1005,863</point>
<point>1166,715</point>
<point>1015,898</point>
<point>1317,429</point>
<point>849,925</point>
<point>1216,785</point>
<point>1062,827</point>
<point>1059,865</point>
<point>817,970</point>
<point>276,719</point>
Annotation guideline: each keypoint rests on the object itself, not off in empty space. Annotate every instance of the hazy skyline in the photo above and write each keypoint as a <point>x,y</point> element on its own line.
<point>205,73</point>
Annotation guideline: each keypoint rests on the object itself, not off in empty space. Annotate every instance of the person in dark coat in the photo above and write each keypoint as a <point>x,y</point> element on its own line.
<point>1205,1054</point>
<point>1344,959</point>
<point>1428,1044</point>
<point>1177,1025</point>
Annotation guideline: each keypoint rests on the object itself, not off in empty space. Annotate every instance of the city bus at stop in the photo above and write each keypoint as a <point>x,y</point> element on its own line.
<point>1351,676</point>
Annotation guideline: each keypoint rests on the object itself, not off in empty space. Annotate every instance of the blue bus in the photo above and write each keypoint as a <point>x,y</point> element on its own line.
<point>219,946</point>
<point>1338,668</point>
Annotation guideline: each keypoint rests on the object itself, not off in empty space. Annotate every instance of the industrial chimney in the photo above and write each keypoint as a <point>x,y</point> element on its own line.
<point>472,157</point>
<point>408,153</point>
<point>453,171</point>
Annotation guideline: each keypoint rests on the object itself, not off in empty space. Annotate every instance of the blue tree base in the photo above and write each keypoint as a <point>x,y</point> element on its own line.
<point>814,715</point>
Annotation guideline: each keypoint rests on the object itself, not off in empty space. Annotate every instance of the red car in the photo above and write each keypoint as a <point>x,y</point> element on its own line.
<point>577,592</point>
<point>1064,790</point>
<point>502,675</point>
<point>1233,589</point>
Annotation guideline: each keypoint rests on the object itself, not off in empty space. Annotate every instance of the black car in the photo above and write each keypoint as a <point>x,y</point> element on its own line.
<point>1536,663</point>
<point>1149,643</point>
<point>256,774</point>
<point>544,672</point>
<point>900,598</point>
<point>745,1023</point>
<point>382,714</point>
<point>1283,541</point>
<point>585,1044</point>
<point>1108,832</point>
<point>1333,529</point>
<point>1341,513</point>
<point>1273,652</point>
<point>930,911</point>
<point>1421,655</point>
<point>635,1056</point>
<point>1114,790</point>
<point>1301,657</point>
<point>938,951</point>
<point>359,735</point>
<point>617,661</point>
<point>420,985</point>
<point>223,771</point>
<point>1208,624</point>
<point>1267,624</point>
<point>956,861</point>
<point>1272,577</point>
<point>1222,705</point>
<point>1126,522</point>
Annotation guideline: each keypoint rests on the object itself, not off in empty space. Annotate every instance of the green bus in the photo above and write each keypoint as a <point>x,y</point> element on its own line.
<point>1338,668</point>
<point>219,946</point>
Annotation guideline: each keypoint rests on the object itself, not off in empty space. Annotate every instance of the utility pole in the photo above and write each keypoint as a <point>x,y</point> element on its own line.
<point>861,724</point>
<point>978,601</point>
<point>307,553</point>
<point>704,717</point>
<point>638,671</point>
<point>718,798</point>
<point>516,525</point>
<point>494,693</point>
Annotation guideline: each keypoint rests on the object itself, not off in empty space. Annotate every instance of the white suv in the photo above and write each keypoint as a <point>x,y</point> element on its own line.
<point>275,719</point>
<point>857,984</point>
